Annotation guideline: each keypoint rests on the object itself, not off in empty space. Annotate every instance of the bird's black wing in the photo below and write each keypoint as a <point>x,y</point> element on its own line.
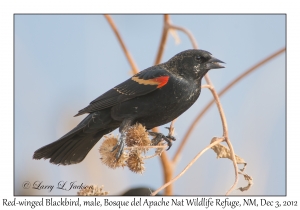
<point>141,83</point>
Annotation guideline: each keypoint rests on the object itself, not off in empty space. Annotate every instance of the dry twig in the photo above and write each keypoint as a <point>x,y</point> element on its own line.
<point>126,52</point>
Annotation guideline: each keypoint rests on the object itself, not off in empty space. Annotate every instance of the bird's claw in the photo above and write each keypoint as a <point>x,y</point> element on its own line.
<point>159,137</point>
<point>170,136</point>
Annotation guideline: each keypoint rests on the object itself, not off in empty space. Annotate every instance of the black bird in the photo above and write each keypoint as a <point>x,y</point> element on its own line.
<point>152,97</point>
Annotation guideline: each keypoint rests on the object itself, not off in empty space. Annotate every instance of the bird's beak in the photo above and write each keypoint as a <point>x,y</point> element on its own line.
<point>214,63</point>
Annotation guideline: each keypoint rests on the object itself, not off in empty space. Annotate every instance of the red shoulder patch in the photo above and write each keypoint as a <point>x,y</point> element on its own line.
<point>162,81</point>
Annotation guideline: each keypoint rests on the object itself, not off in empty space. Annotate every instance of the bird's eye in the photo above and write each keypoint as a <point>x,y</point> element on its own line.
<point>198,58</point>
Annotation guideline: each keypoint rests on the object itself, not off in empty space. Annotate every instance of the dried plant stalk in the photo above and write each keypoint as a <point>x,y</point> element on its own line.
<point>126,52</point>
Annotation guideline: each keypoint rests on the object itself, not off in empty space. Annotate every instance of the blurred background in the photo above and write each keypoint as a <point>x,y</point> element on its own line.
<point>62,62</point>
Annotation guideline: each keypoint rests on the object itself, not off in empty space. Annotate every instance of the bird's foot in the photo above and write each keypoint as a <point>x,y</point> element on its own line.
<point>158,137</point>
<point>119,146</point>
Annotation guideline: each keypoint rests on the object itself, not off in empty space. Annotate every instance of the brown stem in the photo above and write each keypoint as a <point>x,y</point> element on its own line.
<point>189,34</point>
<point>236,170</point>
<point>225,135</point>
<point>144,147</point>
<point>205,86</point>
<point>163,40</point>
<point>167,169</point>
<point>168,172</point>
<point>128,56</point>
<point>221,111</point>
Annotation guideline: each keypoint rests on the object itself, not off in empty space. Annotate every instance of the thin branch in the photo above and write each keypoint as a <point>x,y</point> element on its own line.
<point>151,156</point>
<point>163,40</point>
<point>205,86</point>
<point>221,111</point>
<point>167,26</point>
<point>145,147</point>
<point>225,134</point>
<point>236,170</point>
<point>168,169</point>
<point>224,90</point>
<point>189,165</point>
<point>189,34</point>
<point>172,128</point>
<point>256,66</point>
<point>128,56</point>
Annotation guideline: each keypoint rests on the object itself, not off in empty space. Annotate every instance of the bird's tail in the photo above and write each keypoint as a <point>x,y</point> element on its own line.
<point>73,147</point>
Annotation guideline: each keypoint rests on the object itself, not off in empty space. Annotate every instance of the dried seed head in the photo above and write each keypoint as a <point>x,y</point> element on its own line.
<point>135,162</point>
<point>93,190</point>
<point>137,135</point>
<point>108,157</point>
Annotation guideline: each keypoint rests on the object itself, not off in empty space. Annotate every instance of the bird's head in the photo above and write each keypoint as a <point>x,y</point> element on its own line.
<point>194,64</point>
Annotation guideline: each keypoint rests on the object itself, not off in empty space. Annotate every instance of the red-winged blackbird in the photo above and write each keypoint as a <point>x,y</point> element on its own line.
<point>152,97</point>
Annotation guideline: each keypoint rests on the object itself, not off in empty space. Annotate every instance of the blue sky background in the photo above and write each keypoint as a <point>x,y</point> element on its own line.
<point>62,62</point>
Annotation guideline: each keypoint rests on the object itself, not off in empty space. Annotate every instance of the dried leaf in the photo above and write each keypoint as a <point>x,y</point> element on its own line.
<point>223,152</point>
<point>250,182</point>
